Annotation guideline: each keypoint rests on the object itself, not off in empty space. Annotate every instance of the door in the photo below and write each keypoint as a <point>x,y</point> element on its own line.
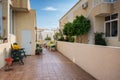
<point>27,41</point>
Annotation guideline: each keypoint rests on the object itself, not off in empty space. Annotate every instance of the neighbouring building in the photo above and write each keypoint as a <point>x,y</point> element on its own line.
<point>104,16</point>
<point>56,30</point>
<point>48,33</point>
<point>39,35</point>
<point>17,24</point>
<point>43,33</point>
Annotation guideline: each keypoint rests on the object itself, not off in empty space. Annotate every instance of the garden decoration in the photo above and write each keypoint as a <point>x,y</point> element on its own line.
<point>8,64</point>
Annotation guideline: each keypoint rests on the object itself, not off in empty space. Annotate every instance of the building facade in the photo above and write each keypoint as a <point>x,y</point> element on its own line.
<point>17,24</point>
<point>104,16</point>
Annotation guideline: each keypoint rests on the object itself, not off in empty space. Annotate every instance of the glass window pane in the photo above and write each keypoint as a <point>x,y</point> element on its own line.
<point>107,18</point>
<point>107,34</point>
<point>114,16</point>
<point>114,27</point>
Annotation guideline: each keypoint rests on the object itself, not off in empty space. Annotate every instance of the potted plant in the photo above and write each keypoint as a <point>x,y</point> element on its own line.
<point>1,39</point>
<point>38,50</point>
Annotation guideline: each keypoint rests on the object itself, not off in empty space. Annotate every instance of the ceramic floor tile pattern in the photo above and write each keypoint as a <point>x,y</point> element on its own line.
<point>48,66</point>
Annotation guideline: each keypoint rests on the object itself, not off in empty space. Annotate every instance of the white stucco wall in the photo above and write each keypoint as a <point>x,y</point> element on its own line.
<point>101,62</point>
<point>4,51</point>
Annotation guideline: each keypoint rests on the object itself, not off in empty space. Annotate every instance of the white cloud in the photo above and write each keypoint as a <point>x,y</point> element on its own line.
<point>50,8</point>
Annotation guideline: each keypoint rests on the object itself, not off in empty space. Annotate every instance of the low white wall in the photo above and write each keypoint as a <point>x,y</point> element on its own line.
<point>4,52</point>
<point>101,62</point>
<point>5,49</point>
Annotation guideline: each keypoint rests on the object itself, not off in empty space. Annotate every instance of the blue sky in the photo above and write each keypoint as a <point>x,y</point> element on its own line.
<point>50,11</point>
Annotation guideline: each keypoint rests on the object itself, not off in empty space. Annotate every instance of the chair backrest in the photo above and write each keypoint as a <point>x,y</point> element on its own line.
<point>15,43</point>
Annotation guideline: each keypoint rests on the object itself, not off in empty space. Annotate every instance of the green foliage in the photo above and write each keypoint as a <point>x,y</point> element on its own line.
<point>56,36</point>
<point>68,29</point>
<point>71,39</point>
<point>47,38</point>
<point>61,39</point>
<point>38,45</point>
<point>81,25</point>
<point>1,38</point>
<point>99,40</point>
<point>38,49</point>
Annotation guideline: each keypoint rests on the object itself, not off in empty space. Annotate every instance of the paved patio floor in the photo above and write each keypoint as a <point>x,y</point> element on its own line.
<point>48,66</point>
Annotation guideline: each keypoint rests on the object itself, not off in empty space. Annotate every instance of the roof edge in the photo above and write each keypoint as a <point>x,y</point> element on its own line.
<point>69,10</point>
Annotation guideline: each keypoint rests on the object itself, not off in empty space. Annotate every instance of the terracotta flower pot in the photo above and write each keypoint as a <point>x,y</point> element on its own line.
<point>9,61</point>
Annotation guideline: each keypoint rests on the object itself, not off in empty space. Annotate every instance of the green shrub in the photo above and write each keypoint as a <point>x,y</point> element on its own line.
<point>68,29</point>
<point>48,38</point>
<point>61,39</point>
<point>57,35</point>
<point>1,38</point>
<point>71,39</point>
<point>81,26</point>
<point>99,40</point>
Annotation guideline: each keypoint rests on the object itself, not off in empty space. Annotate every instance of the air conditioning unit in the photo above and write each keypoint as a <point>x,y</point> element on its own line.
<point>85,5</point>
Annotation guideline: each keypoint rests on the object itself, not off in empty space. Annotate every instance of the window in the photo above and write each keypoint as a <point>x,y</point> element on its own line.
<point>108,29</point>
<point>114,16</point>
<point>111,25</point>
<point>114,28</point>
<point>107,18</point>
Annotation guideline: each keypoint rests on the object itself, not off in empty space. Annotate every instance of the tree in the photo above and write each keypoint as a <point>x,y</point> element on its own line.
<point>56,36</point>
<point>81,26</point>
<point>48,38</point>
<point>61,35</point>
<point>68,31</point>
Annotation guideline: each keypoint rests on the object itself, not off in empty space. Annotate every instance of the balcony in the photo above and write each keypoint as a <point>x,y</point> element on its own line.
<point>103,7</point>
<point>21,5</point>
<point>97,2</point>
